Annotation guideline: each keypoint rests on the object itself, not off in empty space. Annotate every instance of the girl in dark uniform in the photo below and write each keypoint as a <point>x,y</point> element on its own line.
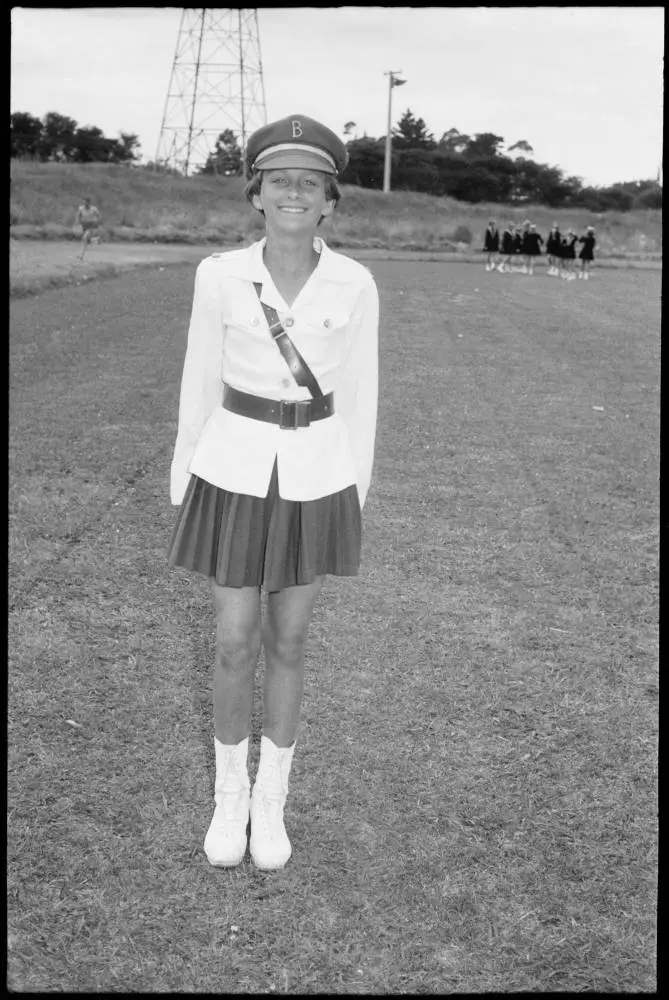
<point>508,249</point>
<point>491,244</point>
<point>517,244</point>
<point>553,244</point>
<point>568,255</point>
<point>523,247</point>
<point>586,256</point>
<point>532,246</point>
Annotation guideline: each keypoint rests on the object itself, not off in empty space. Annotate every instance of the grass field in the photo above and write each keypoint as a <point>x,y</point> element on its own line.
<point>473,803</point>
<point>139,205</point>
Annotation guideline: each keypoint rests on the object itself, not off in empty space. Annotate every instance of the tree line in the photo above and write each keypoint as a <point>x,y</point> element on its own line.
<point>470,168</point>
<point>481,167</point>
<point>58,138</point>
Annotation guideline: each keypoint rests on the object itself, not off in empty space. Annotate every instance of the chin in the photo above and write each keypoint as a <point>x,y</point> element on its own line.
<point>294,224</point>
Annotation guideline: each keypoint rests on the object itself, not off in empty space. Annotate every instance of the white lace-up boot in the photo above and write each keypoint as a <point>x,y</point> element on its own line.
<point>225,842</point>
<point>270,847</point>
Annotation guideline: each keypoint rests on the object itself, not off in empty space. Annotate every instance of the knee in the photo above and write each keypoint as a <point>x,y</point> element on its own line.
<point>237,650</point>
<point>285,644</point>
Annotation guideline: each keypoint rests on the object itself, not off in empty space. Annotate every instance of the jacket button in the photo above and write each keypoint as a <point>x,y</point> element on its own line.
<point>289,321</point>
<point>254,321</point>
<point>285,382</point>
<point>326,322</point>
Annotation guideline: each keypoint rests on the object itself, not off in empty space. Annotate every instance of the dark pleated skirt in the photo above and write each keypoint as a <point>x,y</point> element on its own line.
<point>269,542</point>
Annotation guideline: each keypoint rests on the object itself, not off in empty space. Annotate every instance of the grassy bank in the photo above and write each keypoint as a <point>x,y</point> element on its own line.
<point>138,205</point>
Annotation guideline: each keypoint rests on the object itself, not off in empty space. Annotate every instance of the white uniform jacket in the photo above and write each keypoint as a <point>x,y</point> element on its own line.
<point>333,322</point>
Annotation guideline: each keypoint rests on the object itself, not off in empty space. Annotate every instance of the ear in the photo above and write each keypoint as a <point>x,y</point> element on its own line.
<point>328,208</point>
<point>256,202</point>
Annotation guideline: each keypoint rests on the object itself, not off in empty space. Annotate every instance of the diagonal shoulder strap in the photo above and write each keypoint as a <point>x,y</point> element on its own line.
<point>300,370</point>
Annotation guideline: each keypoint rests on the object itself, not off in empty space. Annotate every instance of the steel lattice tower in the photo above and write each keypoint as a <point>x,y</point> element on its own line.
<point>216,84</point>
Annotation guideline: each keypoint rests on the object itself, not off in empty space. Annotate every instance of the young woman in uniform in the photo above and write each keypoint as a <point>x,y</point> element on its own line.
<point>491,244</point>
<point>586,256</point>
<point>524,245</point>
<point>508,248</point>
<point>532,245</point>
<point>568,255</point>
<point>553,244</point>
<point>517,245</point>
<point>273,460</point>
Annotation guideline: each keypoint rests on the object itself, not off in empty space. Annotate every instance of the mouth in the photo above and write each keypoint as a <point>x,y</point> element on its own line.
<point>292,209</point>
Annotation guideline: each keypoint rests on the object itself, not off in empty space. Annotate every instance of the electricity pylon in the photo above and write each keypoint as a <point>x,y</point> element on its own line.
<point>216,84</point>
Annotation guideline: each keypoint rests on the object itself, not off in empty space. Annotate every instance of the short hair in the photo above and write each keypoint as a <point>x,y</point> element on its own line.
<point>254,184</point>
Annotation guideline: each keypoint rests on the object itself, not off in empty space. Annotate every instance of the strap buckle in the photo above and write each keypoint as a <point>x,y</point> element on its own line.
<point>294,413</point>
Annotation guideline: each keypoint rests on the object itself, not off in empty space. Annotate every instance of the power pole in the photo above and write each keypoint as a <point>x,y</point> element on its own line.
<point>393,81</point>
<point>216,84</point>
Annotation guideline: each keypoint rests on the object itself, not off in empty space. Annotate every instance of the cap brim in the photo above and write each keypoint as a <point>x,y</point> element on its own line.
<point>287,159</point>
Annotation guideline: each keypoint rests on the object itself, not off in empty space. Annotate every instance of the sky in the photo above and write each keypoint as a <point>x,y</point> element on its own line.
<point>583,85</point>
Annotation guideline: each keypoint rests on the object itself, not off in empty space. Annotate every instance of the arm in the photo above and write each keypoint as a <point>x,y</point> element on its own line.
<point>357,397</point>
<point>201,380</point>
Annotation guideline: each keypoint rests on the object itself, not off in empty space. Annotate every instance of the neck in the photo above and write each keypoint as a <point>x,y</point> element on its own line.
<point>288,255</point>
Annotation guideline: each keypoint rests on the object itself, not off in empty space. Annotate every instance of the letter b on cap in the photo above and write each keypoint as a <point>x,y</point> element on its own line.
<point>297,128</point>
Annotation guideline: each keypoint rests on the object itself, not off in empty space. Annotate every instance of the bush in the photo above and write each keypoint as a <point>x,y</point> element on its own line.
<point>462,234</point>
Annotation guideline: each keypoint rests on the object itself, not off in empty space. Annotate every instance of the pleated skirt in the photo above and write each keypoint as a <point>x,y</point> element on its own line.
<point>268,542</point>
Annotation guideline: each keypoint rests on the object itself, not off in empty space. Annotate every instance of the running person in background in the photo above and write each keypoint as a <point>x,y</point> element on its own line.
<point>88,217</point>
<point>568,255</point>
<point>553,244</point>
<point>586,256</point>
<point>491,244</point>
<point>532,243</point>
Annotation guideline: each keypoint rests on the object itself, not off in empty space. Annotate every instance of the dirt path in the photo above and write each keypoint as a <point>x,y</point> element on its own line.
<point>35,265</point>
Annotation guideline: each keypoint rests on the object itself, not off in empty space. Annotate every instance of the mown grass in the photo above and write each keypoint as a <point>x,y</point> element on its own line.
<point>473,803</point>
<point>137,204</point>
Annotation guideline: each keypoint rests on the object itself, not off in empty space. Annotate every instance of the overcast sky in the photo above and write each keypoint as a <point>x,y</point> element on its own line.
<point>583,85</point>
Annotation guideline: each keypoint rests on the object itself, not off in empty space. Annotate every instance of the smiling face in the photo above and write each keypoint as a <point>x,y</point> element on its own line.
<point>293,200</point>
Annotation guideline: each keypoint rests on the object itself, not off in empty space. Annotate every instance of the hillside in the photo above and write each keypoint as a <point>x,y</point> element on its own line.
<point>137,204</point>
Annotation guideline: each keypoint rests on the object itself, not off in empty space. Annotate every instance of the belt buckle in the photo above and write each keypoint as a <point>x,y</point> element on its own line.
<point>289,412</point>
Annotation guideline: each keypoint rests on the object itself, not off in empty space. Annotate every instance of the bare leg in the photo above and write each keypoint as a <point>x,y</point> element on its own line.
<point>238,638</point>
<point>84,243</point>
<point>289,612</point>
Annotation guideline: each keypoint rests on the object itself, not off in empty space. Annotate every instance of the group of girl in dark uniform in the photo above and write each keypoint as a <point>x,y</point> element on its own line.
<point>524,241</point>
